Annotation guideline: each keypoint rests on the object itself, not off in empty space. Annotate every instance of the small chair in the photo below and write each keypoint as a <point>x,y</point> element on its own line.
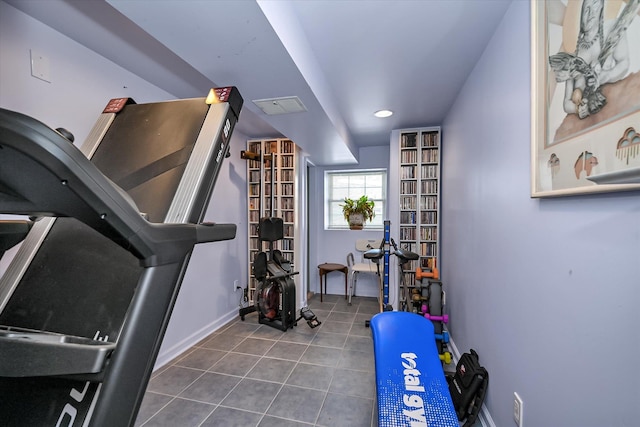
<point>364,266</point>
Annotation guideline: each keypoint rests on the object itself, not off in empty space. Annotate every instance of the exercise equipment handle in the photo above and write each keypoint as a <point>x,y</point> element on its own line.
<point>212,232</point>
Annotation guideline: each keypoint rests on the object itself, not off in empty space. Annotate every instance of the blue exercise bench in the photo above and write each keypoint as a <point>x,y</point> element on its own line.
<point>410,384</point>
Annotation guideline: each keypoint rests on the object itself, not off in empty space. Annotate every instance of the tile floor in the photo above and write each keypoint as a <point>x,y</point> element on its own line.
<point>247,374</point>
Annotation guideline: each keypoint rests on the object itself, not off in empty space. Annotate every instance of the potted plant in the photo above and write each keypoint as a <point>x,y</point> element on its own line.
<point>358,211</point>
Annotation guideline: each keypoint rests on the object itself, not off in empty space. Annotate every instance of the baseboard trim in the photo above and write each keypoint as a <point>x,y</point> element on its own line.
<point>484,416</point>
<point>177,349</point>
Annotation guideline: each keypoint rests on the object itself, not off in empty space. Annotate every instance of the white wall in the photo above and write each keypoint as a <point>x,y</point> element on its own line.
<point>82,83</point>
<point>334,245</point>
<point>547,291</point>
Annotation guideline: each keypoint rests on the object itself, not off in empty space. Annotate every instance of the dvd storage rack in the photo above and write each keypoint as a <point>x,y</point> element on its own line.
<point>419,197</point>
<point>284,197</point>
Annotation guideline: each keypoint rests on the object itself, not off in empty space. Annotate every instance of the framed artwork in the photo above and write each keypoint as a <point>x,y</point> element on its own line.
<point>585,92</point>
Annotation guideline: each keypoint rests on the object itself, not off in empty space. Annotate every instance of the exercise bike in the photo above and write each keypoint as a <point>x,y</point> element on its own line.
<point>427,299</point>
<point>404,257</point>
<point>384,252</point>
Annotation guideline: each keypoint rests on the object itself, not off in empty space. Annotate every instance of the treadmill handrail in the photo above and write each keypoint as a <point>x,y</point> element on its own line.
<point>43,174</point>
<point>29,353</point>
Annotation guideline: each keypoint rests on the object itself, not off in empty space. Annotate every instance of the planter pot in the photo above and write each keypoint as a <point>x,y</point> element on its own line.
<point>356,221</point>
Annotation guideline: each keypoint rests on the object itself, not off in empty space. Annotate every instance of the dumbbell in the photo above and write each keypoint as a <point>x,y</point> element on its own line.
<point>444,336</point>
<point>445,357</point>
<point>430,273</point>
<point>444,318</point>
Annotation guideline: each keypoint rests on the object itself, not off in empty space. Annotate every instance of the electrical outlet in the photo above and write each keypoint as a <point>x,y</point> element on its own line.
<point>235,285</point>
<point>518,407</point>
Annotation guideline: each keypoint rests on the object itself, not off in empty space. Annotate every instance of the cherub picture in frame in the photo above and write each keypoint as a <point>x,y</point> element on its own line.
<point>585,96</point>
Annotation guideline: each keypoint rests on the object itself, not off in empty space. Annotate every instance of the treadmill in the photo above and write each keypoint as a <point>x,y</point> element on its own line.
<point>86,300</point>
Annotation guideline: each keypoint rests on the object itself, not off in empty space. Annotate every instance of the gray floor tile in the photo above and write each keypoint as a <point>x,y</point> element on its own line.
<point>272,370</point>
<point>287,350</point>
<point>335,327</point>
<point>235,364</point>
<point>180,412</point>
<point>229,417</point>
<point>161,370</point>
<point>360,329</point>
<point>173,380</point>
<point>321,356</point>
<point>301,329</point>
<point>368,301</point>
<point>325,339</point>
<point>333,298</point>
<point>241,329</point>
<point>362,318</point>
<point>267,332</point>
<point>201,358</point>
<point>341,317</point>
<point>344,307</point>
<point>317,305</point>
<point>357,360</point>
<point>151,403</point>
<point>311,376</point>
<point>269,421</point>
<point>300,335</point>
<point>369,309</point>
<point>210,388</point>
<point>252,395</point>
<point>345,411</point>
<point>234,376</point>
<point>255,346</point>
<point>321,313</point>
<point>364,344</point>
<point>298,404</point>
<point>353,383</point>
<point>223,342</point>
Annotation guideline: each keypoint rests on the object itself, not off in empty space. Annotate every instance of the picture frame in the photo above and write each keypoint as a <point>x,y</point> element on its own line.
<point>585,97</point>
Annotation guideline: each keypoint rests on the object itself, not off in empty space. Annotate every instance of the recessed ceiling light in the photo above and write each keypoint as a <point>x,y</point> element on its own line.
<point>383,113</point>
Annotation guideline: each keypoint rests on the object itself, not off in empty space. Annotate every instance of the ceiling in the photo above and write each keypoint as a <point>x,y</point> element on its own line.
<point>343,59</point>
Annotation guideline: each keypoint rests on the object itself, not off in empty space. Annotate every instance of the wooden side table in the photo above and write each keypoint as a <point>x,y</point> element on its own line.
<point>327,268</point>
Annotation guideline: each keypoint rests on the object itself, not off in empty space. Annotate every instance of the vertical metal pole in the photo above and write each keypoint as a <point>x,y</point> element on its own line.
<point>273,183</point>
<point>385,283</point>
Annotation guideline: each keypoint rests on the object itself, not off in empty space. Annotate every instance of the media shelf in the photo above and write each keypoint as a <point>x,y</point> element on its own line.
<point>284,197</point>
<point>419,197</point>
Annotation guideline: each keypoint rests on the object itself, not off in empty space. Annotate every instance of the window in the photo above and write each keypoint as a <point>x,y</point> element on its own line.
<point>354,184</point>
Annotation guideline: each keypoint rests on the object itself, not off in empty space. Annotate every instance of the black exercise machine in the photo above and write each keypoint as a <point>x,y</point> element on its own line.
<point>276,290</point>
<point>275,293</point>
<point>87,298</point>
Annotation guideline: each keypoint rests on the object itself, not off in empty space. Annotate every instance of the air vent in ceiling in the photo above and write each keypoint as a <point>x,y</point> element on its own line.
<point>285,105</point>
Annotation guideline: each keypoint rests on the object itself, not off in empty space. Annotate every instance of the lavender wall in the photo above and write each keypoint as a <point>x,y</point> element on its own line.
<point>334,245</point>
<point>82,82</point>
<point>547,291</point>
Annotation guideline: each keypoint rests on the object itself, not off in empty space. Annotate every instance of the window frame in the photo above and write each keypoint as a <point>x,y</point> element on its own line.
<point>328,191</point>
